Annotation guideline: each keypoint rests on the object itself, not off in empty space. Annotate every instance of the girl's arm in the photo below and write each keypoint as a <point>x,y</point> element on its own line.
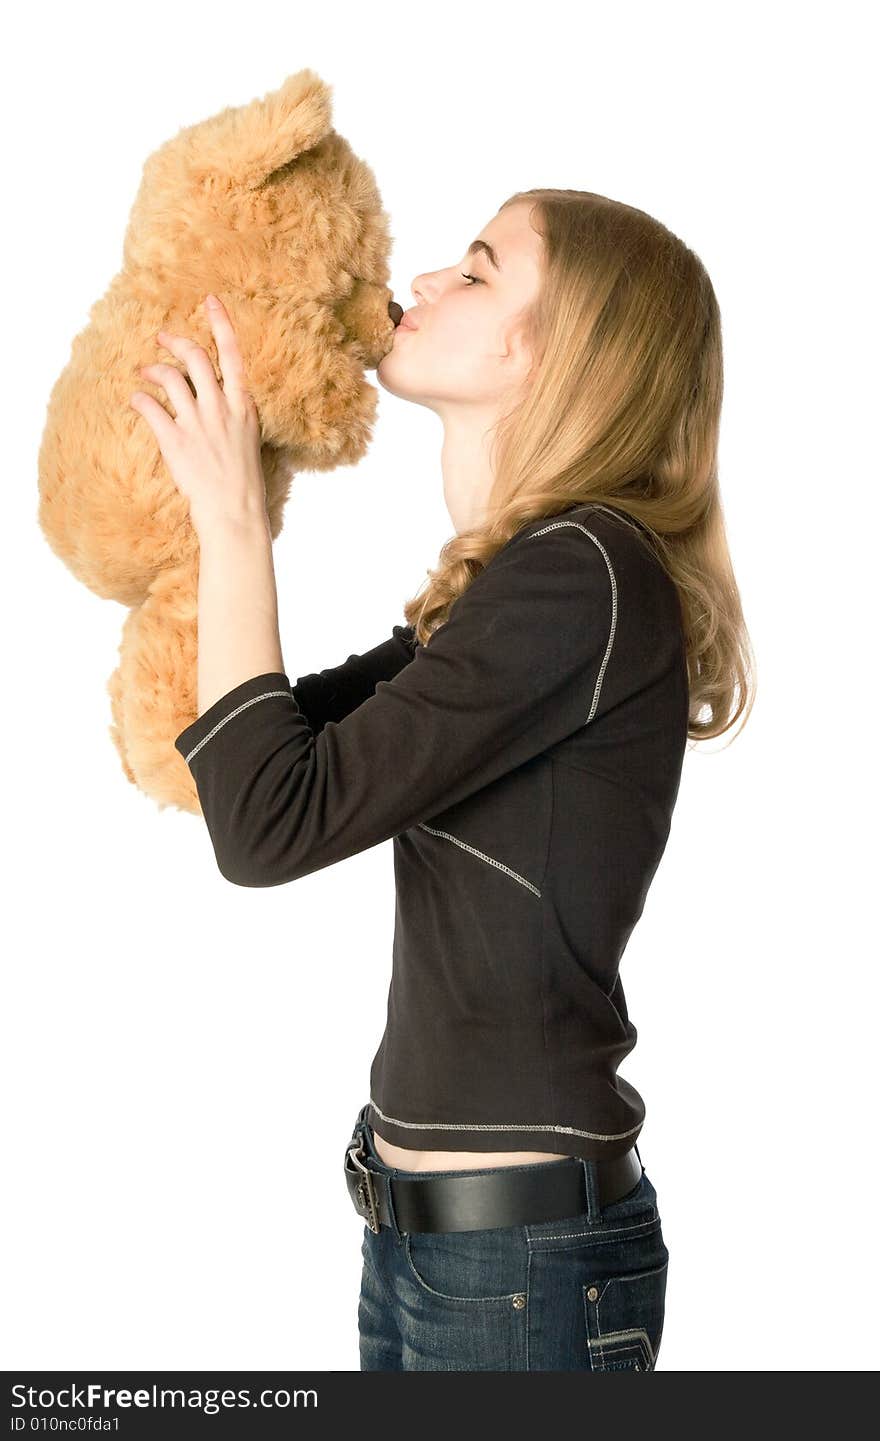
<point>332,694</point>
<point>524,660</point>
<point>239,638</point>
<point>238,606</point>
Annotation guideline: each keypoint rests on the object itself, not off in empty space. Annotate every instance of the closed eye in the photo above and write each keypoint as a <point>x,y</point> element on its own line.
<point>475,278</point>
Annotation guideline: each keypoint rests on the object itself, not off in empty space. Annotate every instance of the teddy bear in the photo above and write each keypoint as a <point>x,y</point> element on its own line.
<point>268,207</point>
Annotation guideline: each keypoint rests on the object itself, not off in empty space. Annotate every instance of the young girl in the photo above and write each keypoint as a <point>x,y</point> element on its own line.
<point>521,740</point>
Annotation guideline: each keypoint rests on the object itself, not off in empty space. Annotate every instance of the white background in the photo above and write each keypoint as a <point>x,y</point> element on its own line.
<point>183,1060</point>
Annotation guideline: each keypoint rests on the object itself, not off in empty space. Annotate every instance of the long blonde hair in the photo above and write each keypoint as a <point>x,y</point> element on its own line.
<point>622,408</point>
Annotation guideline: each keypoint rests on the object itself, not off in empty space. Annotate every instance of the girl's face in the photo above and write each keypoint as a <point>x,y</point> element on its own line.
<point>467,350</point>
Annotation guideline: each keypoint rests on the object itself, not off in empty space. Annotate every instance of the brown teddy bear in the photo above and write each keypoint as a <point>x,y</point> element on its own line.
<point>268,207</point>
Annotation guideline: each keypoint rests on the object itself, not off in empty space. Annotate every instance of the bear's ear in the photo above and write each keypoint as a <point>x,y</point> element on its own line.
<point>243,145</point>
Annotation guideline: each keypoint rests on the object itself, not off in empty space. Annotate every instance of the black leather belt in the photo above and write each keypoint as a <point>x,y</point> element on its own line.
<point>506,1196</point>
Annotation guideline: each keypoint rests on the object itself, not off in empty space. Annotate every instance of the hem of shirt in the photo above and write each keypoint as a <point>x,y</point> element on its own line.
<point>247,690</point>
<point>561,1140</point>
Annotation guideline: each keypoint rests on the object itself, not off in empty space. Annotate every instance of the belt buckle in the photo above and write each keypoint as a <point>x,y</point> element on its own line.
<point>366,1191</point>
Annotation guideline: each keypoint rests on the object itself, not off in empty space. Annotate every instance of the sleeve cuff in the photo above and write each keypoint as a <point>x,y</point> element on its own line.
<point>271,685</point>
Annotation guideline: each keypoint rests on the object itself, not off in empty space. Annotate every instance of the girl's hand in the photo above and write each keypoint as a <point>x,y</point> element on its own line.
<point>212,447</point>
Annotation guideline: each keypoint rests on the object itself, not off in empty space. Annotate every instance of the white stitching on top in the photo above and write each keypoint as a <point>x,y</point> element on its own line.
<point>555,525</point>
<point>505,1126</point>
<point>481,855</point>
<point>244,705</point>
<point>617,514</point>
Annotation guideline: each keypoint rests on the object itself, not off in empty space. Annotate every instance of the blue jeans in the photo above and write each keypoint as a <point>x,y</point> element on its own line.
<point>583,1294</point>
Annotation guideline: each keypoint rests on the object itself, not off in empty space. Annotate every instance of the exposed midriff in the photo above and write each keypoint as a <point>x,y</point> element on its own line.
<point>406,1160</point>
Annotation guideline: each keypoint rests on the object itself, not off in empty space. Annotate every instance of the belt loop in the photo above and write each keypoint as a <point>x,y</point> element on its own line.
<point>591,1184</point>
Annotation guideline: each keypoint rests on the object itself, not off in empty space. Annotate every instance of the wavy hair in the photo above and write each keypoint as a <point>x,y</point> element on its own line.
<point>622,408</point>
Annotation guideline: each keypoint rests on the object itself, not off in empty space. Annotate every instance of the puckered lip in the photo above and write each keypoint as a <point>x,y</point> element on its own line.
<point>406,321</point>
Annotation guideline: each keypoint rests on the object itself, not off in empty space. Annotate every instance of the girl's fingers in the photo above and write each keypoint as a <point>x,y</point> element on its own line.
<point>228,353</point>
<point>158,419</point>
<point>174,382</point>
<point>197,362</point>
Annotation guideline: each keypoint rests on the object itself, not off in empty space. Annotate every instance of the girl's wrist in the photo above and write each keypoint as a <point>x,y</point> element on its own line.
<point>253,520</point>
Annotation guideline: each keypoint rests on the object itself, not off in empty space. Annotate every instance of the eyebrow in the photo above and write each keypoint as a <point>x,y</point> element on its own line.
<point>484,245</point>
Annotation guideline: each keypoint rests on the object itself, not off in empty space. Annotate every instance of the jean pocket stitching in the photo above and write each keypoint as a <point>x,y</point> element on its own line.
<point>606,1344</point>
<point>595,1234</point>
<point>443,1296</point>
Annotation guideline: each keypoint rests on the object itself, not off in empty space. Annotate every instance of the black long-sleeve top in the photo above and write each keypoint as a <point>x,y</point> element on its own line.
<point>526,762</point>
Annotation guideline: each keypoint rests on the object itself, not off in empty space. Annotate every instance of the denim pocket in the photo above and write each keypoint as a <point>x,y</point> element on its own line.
<point>623,1315</point>
<point>487,1267</point>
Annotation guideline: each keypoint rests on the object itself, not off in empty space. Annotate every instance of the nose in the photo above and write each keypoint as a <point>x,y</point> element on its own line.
<point>395,311</point>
